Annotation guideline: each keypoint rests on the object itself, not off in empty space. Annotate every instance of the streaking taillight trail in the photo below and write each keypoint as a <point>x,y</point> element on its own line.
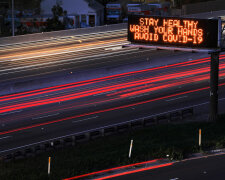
<point>132,88</point>
<point>91,81</point>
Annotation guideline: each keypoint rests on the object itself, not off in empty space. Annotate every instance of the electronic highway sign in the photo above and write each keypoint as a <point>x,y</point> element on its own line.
<point>174,31</point>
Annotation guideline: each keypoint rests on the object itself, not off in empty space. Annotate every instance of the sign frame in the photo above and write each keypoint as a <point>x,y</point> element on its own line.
<point>207,47</point>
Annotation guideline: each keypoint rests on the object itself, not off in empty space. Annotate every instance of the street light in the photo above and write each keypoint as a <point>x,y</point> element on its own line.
<point>13,32</point>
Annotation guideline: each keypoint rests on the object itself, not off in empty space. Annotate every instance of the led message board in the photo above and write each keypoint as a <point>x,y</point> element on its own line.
<point>174,31</point>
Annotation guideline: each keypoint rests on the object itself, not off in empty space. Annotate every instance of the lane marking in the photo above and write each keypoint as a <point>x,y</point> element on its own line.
<point>107,92</point>
<point>49,115</point>
<point>133,97</point>
<point>182,77</point>
<point>10,112</point>
<point>85,119</point>
<point>5,137</point>
<point>176,98</point>
<point>114,48</point>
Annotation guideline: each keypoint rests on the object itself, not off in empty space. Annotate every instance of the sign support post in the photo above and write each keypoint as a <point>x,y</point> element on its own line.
<point>214,76</point>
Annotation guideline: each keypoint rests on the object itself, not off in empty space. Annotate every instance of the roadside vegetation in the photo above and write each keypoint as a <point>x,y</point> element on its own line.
<point>176,140</point>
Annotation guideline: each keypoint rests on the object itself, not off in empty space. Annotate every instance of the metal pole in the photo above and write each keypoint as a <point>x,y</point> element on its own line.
<point>13,32</point>
<point>214,74</point>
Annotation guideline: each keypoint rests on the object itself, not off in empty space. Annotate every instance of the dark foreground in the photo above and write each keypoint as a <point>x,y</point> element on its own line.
<point>208,168</point>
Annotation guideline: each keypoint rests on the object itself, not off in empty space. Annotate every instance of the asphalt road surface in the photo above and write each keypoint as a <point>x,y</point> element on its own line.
<point>208,168</point>
<point>49,57</point>
<point>45,114</point>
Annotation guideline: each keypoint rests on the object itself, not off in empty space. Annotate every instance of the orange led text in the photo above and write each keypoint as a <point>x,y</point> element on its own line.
<point>167,30</point>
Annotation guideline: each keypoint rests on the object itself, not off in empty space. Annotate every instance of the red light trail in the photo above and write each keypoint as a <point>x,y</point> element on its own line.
<point>114,92</point>
<point>92,92</point>
<point>135,171</point>
<point>122,173</point>
<point>112,169</point>
<point>104,110</point>
<point>91,81</point>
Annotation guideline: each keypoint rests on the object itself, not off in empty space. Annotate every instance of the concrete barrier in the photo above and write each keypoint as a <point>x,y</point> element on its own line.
<point>81,138</point>
<point>123,127</point>
<point>39,149</point>
<point>48,146</point>
<point>18,155</point>
<point>163,119</point>
<point>109,131</point>
<point>136,124</point>
<point>187,113</point>
<point>150,121</point>
<point>29,152</point>
<point>69,141</point>
<point>58,144</point>
<point>175,116</point>
<point>95,134</point>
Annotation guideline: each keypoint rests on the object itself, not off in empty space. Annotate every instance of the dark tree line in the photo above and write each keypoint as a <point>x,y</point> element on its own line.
<point>54,24</point>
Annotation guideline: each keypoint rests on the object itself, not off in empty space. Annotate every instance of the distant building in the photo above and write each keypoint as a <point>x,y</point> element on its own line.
<point>85,13</point>
<point>115,12</point>
<point>118,11</point>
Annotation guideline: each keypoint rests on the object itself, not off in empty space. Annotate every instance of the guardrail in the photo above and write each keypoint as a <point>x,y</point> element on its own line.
<point>76,138</point>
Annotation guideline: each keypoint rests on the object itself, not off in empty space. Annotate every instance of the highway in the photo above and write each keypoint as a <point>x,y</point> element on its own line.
<point>44,113</point>
<point>26,61</point>
<point>55,56</point>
